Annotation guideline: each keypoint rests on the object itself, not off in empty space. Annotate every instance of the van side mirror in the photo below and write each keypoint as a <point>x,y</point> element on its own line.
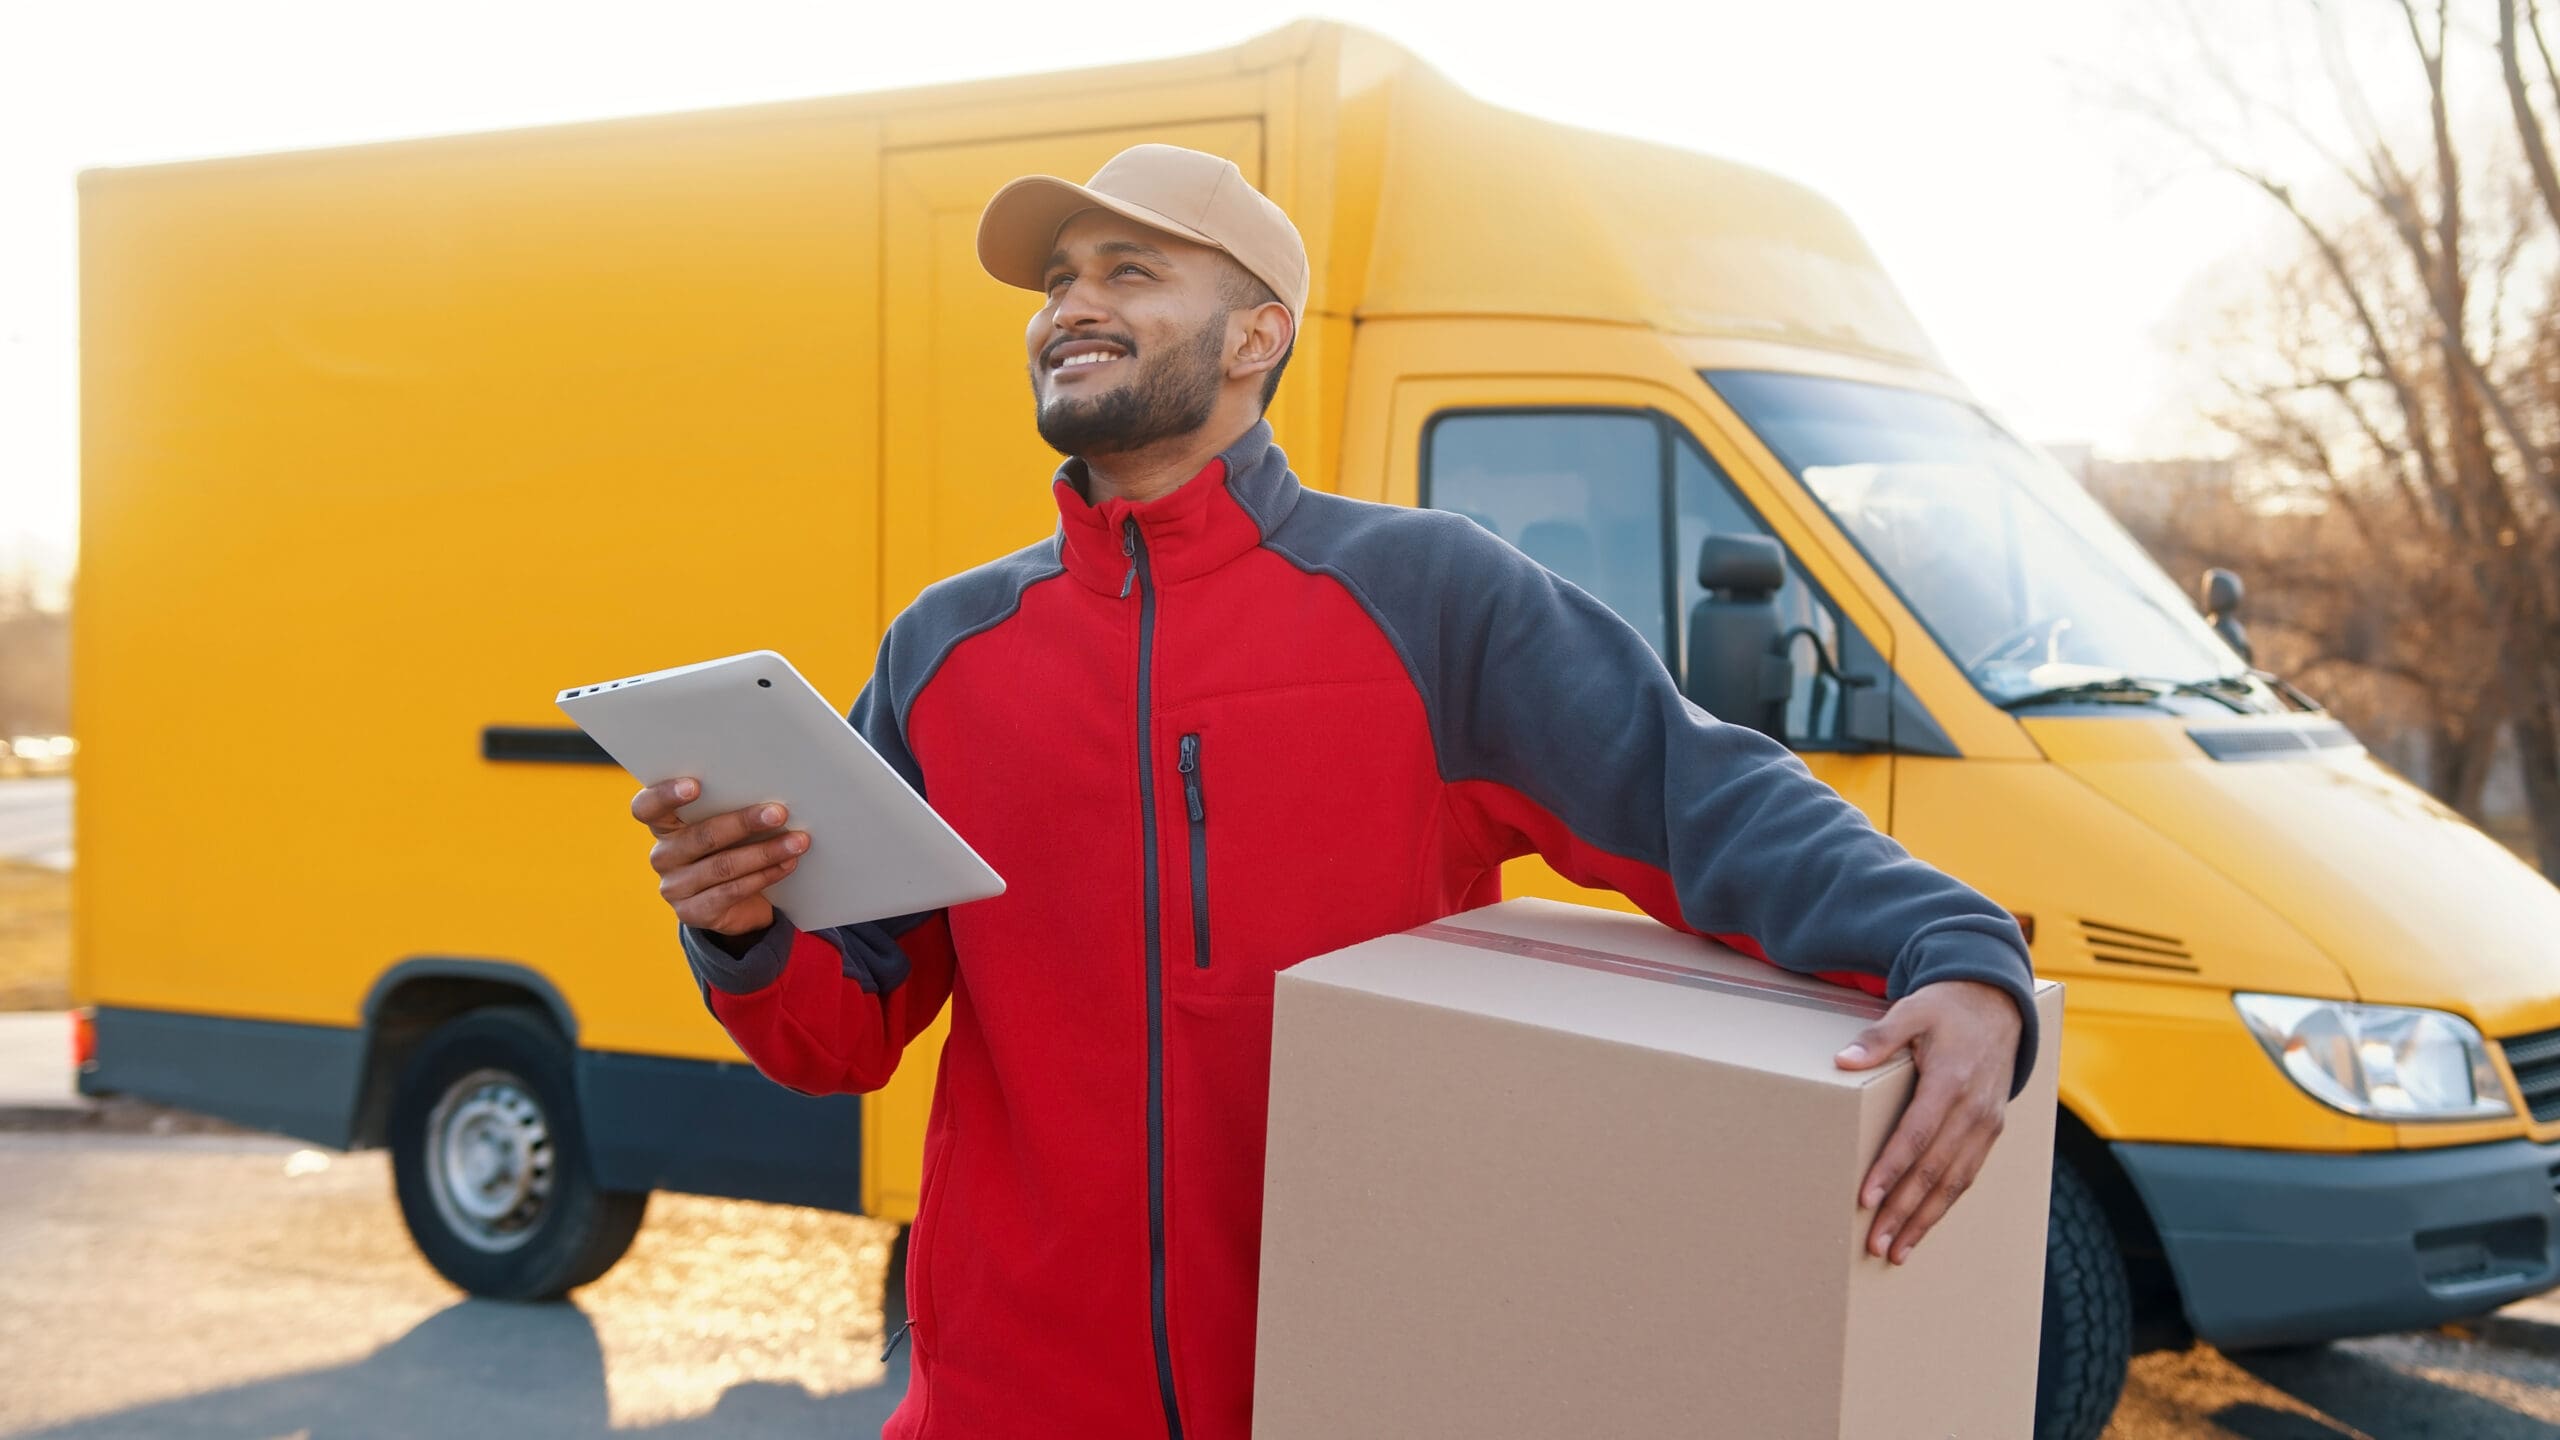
<point>2223,594</point>
<point>1737,669</point>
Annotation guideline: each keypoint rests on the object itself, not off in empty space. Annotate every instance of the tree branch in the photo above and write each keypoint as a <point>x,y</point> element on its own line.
<point>2394,459</point>
<point>2378,347</point>
<point>2533,22</point>
<point>2537,150</point>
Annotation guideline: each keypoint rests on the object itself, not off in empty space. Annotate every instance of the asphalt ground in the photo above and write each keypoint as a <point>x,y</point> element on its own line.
<point>243,1287</point>
<point>204,1285</point>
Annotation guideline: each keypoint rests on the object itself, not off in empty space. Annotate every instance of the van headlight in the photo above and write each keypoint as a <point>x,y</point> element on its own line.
<point>2382,1062</point>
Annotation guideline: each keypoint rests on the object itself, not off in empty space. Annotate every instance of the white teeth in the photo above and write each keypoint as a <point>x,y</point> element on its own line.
<point>1090,357</point>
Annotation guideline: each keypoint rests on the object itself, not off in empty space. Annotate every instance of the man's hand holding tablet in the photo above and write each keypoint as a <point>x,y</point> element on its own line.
<point>713,872</point>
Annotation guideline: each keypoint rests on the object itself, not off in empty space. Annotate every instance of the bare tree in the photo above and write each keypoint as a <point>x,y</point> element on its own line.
<point>2404,370</point>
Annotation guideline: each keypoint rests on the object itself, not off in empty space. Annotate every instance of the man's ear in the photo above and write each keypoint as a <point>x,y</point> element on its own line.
<point>1268,331</point>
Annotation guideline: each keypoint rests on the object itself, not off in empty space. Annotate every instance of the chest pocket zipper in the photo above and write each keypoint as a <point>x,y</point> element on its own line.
<point>1189,768</point>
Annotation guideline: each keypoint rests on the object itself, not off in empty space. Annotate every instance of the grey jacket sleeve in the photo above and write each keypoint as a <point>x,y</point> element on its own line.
<point>1560,731</point>
<point>743,964</point>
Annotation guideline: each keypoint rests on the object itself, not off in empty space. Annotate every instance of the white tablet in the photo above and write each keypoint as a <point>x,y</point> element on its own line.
<point>748,729</point>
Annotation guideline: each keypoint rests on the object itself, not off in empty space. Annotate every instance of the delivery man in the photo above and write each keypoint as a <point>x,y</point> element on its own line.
<point>1213,725</point>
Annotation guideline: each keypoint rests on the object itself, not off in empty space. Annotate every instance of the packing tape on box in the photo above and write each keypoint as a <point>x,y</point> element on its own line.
<point>1852,1003</point>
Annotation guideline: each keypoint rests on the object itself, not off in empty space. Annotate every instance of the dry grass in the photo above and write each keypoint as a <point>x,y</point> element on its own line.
<point>35,938</point>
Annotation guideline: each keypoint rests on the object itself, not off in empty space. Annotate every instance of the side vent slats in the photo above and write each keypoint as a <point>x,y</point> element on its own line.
<point>2300,740</point>
<point>2142,949</point>
<point>2534,1050</point>
<point>2536,1061</point>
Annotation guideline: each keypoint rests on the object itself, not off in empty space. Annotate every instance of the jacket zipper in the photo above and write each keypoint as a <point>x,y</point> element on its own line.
<point>1136,550</point>
<point>1190,768</point>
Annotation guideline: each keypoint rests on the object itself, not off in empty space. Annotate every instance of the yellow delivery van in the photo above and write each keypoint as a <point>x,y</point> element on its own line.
<point>382,446</point>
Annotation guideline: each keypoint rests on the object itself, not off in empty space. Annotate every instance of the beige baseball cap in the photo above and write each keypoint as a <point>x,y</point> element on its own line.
<point>1202,198</point>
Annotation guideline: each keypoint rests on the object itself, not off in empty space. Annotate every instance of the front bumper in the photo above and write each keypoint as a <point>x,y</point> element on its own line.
<point>2276,1248</point>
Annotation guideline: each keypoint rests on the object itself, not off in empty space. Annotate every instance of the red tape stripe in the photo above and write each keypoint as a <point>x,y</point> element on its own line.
<point>1847,1002</point>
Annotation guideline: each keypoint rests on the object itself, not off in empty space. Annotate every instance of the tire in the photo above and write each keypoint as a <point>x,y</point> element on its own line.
<point>490,1163</point>
<point>2088,1315</point>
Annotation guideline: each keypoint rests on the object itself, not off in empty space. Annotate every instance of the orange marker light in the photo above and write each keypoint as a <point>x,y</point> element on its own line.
<point>2026,924</point>
<point>84,1038</point>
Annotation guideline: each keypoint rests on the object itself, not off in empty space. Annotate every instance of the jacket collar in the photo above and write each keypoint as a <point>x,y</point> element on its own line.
<point>1237,498</point>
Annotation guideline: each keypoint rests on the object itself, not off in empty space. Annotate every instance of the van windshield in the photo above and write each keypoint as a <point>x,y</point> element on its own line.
<point>2026,582</point>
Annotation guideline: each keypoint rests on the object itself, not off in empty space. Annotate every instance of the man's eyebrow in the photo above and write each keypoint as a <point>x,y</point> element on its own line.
<point>1116,247</point>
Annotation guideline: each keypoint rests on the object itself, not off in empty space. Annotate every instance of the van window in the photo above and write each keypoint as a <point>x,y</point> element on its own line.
<point>1580,492</point>
<point>1585,492</point>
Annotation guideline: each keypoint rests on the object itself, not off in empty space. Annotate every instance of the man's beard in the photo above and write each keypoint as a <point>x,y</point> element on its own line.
<point>1175,396</point>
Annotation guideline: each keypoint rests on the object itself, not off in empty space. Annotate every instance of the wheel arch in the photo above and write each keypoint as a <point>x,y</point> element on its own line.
<point>409,1000</point>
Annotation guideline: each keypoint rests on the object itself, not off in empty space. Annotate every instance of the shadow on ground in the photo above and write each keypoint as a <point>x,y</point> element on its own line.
<point>2371,1398</point>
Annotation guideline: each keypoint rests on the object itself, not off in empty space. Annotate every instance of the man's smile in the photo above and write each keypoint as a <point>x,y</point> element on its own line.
<point>1077,356</point>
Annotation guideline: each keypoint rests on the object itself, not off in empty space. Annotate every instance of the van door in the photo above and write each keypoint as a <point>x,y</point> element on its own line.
<point>964,476</point>
<point>964,473</point>
<point>1614,486</point>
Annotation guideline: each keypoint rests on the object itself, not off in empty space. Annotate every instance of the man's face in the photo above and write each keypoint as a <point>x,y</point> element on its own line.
<point>1130,346</point>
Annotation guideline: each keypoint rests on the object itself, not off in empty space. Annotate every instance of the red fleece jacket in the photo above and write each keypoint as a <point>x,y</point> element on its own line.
<point>1204,738</point>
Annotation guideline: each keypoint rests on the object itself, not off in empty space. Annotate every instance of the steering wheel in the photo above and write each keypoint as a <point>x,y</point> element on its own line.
<point>2043,631</point>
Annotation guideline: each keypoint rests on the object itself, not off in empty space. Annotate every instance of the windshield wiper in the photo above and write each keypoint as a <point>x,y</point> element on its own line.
<point>2232,690</point>
<point>2123,690</point>
<point>2135,690</point>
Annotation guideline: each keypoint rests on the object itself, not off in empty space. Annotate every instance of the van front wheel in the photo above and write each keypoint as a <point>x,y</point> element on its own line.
<point>490,1164</point>
<point>2088,1315</point>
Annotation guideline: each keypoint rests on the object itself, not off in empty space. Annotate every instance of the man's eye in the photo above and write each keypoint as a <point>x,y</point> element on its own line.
<point>1127,267</point>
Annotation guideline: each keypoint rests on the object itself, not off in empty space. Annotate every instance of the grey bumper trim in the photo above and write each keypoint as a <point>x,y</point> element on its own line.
<point>298,1080</point>
<point>2277,1248</point>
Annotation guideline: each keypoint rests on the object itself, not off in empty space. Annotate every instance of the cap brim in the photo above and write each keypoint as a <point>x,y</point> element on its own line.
<point>1018,232</point>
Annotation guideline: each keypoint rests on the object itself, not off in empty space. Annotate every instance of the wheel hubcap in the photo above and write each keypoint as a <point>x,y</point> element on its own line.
<point>489,1160</point>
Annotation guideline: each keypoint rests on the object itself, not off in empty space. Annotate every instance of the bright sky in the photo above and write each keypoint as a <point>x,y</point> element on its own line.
<point>2042,237</point>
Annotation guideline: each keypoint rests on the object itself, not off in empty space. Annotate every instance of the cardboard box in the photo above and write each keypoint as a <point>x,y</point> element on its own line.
<point>1539,1170</point>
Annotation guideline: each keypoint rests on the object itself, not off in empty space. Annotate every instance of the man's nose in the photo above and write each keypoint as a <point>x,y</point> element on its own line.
<point>1081,304</point>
